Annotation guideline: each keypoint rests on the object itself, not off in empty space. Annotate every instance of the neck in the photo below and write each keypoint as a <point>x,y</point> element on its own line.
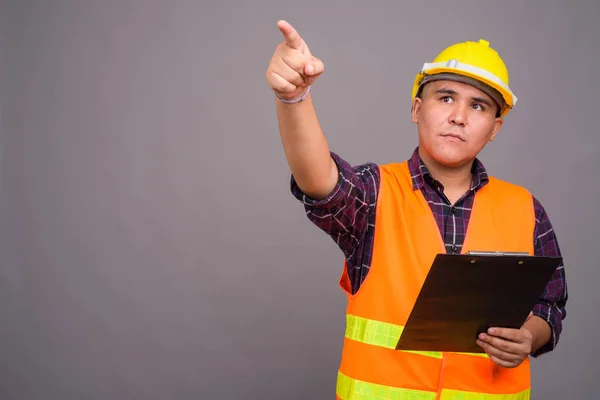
<point>455,179</point>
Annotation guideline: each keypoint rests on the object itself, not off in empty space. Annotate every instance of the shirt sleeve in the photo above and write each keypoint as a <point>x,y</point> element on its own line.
<point>552,302</point>
<point>344,214</point>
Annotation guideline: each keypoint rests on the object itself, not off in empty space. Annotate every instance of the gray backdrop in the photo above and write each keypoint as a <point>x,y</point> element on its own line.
<point>150,248</point>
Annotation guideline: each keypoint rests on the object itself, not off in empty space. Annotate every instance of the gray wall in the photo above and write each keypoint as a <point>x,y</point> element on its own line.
<point>150,246</point>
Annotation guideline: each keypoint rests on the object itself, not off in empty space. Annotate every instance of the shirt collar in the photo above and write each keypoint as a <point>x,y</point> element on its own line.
<point>421,175</point>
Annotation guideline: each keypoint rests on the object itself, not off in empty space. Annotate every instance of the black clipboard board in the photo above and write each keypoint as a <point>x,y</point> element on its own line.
<point>465,294</point>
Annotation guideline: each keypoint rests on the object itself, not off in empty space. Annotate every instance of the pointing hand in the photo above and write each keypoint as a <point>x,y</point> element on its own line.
<point>292,68</point>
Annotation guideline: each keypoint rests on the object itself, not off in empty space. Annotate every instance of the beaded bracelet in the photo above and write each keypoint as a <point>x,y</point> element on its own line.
<point>296,100</point>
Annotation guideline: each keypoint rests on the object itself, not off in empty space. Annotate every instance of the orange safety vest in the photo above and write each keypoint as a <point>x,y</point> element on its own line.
<point>407,239</point>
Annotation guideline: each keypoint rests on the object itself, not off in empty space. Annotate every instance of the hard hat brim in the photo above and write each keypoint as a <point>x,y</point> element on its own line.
<point>490,91</point>
<point>478,76</point>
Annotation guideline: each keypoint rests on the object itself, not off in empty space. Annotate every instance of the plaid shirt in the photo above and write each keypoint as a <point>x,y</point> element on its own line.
<point>347,215</point>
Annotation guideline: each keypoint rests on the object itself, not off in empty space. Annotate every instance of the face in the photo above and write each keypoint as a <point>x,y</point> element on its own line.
<point>455,121</point>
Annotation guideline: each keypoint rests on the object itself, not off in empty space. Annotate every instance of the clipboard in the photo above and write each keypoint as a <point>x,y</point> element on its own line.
<point>465,294</point>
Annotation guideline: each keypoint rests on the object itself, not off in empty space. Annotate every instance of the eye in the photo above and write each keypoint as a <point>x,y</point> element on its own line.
<point>478,107</point>
<point>446,99</point>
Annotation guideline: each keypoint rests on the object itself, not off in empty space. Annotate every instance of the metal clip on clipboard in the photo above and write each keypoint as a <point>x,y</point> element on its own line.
<point>498,253</point>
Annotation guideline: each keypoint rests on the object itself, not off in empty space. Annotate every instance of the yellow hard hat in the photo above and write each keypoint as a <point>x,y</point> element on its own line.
<point>475,63</point>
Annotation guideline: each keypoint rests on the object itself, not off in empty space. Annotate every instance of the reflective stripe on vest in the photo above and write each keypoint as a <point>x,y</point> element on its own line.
<point>457,395</point>
<point>352,389</point>
<point>383,334</point>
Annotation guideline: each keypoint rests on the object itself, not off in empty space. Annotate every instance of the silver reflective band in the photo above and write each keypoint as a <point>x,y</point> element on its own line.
<point>457,65</point>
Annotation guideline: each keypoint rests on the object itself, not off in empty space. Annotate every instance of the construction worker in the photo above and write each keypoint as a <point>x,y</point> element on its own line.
<point>390,221</point>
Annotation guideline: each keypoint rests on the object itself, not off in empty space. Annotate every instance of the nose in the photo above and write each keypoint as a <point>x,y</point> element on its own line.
<point>458,116</point>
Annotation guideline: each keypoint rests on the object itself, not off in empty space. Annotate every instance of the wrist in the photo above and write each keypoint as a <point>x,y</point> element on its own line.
<point>539,330</point>
<point>294,100</point>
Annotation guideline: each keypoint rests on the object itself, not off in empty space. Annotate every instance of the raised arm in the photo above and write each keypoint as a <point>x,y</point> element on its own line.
<point>290,73</point>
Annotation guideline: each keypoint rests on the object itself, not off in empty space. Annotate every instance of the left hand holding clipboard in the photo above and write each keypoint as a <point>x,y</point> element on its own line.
<point>507,347</point>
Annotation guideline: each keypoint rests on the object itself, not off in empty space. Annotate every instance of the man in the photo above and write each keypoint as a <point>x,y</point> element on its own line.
<point>390,221</point>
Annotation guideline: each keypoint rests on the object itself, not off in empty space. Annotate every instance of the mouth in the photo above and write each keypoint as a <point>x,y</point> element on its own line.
<point>453,137</point>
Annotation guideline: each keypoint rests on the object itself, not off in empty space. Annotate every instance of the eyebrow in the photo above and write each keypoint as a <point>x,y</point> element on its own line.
<point>475,99</point>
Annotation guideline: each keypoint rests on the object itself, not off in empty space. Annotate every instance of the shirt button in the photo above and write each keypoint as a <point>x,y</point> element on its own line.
<point>454,248</point>
<point>453,210</point>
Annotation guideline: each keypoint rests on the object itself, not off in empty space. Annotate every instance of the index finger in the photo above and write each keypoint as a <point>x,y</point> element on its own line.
<point>292,38</point>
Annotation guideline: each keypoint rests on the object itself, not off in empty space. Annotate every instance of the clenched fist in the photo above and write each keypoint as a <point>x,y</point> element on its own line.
<point>292,68</point>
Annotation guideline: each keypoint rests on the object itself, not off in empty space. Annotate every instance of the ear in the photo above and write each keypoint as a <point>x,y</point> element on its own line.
<point>415,110</point>
<point>497,125</point>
